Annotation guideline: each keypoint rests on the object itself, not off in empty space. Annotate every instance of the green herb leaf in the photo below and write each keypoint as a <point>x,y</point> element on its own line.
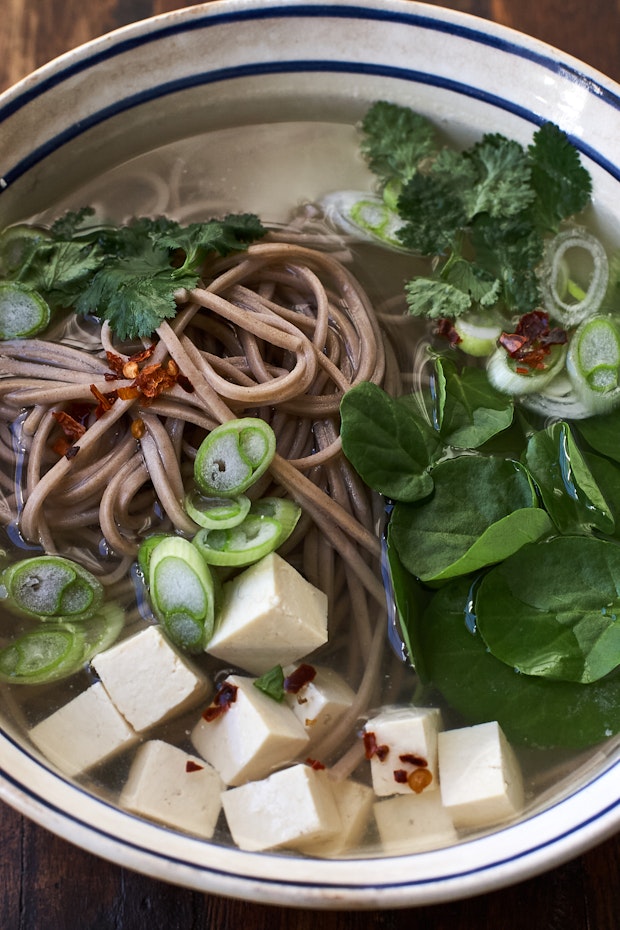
<point>568,489</point>
<point>503,174</point>
<point>396,140</point>
<point>271,683</point>
<point>553,609</point>
<point>473,410</point>
<point>562,185</point>
<point>388,445</point>
<point>436,299</point>
<point>481,511</point>
<point>538,712</point>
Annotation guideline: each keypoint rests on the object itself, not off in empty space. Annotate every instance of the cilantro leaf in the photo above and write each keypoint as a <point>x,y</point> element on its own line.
<point>510,250</point>
<point>503,176</point>
<point>470,278</point>
<point>561,183</point>
<point>232,234</point>
<point>435,299</point>
<point>396,139</point>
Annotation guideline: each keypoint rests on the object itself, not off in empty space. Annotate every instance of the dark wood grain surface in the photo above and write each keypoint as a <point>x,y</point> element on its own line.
<point>47,884</point>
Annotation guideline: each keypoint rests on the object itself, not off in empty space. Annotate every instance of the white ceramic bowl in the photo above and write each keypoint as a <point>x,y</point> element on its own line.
<point>245,61</point>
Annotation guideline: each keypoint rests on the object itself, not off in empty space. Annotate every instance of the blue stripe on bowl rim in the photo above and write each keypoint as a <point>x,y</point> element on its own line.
<point>506,44</point>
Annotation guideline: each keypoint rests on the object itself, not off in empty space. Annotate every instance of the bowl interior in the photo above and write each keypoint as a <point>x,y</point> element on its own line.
<point>250,106</point>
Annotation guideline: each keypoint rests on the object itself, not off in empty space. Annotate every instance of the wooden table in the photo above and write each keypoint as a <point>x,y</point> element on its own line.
<point>47,884</point>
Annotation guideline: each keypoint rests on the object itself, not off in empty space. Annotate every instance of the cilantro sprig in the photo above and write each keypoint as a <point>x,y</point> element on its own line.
<point>126,274</point>
<point>482,214</point>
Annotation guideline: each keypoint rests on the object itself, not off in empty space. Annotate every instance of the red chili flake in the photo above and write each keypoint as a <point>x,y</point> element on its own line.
<point>225,695</point>
<point>400,776</point>
<point>61,446</point>
<point>411,759</point>
<point>445,328</point>
<point>154,379</point>
<point>143,354</point>
<point>109,376</point>
<point>532,340</point>
<point>104,401</point>
<point>191,766</point>
<point>315,764</point>
<point>128,393</point>
<point>419,779</point>
<point>115,362</point>
<point>138,428</point>
<point>185,383</point>
<point>372,749</point>
<point>302,676</point>
<point>70,427</point>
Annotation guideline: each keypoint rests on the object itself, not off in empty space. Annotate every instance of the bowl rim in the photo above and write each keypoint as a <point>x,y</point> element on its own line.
<point>593,810</point>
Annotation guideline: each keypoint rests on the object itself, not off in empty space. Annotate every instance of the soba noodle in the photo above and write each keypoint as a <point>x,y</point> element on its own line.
<point>280,332</point>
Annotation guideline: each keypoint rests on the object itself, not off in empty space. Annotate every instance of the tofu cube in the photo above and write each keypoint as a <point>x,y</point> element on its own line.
<point>290,807</point>
<point>86,731</point>
<point>148,680</point>
<point>252,736</point>
<point>481,781</point>
<point>319,703</point>
<point>173,787</point>
<point>413,823</point>
<point>402,745</point>
<point>354,802</point>
<point>270,616</point>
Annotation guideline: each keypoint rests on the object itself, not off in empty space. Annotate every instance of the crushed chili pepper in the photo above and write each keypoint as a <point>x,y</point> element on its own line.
<point>409,757</point>
<point>532,340</point>
<point>138,428</point>
<point>315,764</point>
<point>104,401</point>
<point>70,426</point>
<point>400,776</point>
<point>302,676</point>
<point>419,779</point>
<point>371,748</point>
<point>191,766</point>
<point>445,329</point>
<point>225,695</point>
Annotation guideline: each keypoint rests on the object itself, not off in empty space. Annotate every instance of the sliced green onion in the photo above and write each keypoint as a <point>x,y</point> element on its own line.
<point>558,400</point>
<point>364,216</point>
<point>145,551</point>
<point>593,364</point>
<point>23,312</point>
<point>57,650</point>
<point>281,509</point>
<point>233,456</point>
<point>575,276</point>
<point>242,545</point>
<point>17,243</point>
<point>182,593</point>
<point>505,373</point>
<point>477,339</point>
<point>216,512</point>
<point>52,587</point>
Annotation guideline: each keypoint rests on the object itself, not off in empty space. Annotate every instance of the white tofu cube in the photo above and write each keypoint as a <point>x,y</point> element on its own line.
<point>253,736</point>
<point>481,781</point>
<point>290,807</point>
<point>402,745</point>
<point>86,731</point>
<point>148,680</point>
<point>413,823</point>
<point>354,802</point>
<point>319,703</point>
<point>169,785</point>
<point>270,616</point>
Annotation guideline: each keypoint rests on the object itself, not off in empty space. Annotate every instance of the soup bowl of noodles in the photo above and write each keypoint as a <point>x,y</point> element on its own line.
<point>308,382</point>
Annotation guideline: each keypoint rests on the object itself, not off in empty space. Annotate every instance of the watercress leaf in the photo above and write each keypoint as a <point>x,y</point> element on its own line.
<point>388,445</point>
<point>602,433</point>
<point>567,487</point>
<point>481,511</point>
<point>553,609</point>
<point>473,410</point>
<point>410,600</point>
<point>537,712</point>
